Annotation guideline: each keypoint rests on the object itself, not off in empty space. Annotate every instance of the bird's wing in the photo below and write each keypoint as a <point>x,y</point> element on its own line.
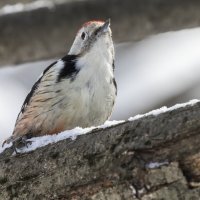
<point>32,91</point>
<point>52,75</point>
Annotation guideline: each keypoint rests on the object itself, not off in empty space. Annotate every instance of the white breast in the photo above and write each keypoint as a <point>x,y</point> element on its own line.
<point>90,97</point>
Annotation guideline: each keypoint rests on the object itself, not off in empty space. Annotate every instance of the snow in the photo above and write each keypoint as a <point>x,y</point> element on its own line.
<point>153,165</point>
<point>111,123</point>
<point>38,142</point>
<point>164,109</point>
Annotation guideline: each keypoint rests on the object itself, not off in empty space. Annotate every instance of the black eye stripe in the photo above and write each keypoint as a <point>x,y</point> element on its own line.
<point>83,35</point>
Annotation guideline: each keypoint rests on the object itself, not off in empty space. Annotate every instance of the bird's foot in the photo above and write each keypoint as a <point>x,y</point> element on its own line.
<point>25,142</point>
<point>17,142</point>
<point>9,140</point>
<point>14,148</point>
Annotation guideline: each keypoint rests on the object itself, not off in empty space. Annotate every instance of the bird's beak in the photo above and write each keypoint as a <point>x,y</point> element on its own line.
<point>105,26</point>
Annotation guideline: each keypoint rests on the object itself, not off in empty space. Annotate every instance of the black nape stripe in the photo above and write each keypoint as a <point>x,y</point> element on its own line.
<point>69,70</point>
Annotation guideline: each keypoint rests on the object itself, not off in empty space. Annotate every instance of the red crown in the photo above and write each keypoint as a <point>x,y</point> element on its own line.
<point>93,21</point>
<point>90,22</point>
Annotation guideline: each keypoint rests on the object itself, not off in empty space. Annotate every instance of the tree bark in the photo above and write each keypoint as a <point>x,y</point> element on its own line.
<point>151,158</point>
<point>45,33</point>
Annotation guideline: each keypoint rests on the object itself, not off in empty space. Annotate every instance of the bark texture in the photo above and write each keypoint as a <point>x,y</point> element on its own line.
<point>48,32</point>
<point>152,158</point>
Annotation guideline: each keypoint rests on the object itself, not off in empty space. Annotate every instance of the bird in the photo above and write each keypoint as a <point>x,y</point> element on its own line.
<point>77,90</point>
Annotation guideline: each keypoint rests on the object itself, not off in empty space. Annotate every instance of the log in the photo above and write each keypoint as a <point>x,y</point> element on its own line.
<point>48,32</point>
<point>150,158</point>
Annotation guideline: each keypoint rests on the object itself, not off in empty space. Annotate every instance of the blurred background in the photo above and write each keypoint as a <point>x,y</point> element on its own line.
<point>157,49</point>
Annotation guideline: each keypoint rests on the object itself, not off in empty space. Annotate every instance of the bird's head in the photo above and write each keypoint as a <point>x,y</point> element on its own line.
<point>93,36</point>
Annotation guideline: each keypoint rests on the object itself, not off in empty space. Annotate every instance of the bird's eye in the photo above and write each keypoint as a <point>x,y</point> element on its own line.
<point>83,35</point>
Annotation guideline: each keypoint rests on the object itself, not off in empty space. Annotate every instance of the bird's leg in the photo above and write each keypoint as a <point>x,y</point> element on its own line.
<point>16,142</point>
<point>22,140</point>
<point>14,147</point>
<point>11,140</point>
<point>25,142</point>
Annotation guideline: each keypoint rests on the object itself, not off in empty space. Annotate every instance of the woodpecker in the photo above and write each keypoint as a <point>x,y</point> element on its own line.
<point>76,90</point>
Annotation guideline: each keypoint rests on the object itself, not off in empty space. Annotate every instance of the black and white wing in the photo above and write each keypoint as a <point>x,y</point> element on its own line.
<point>52,75</point>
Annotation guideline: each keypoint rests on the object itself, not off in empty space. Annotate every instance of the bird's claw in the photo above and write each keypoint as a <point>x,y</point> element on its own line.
<point>9,140</point>
<point>16,142</point>
<point>25,141</point>
<point>4,142</point>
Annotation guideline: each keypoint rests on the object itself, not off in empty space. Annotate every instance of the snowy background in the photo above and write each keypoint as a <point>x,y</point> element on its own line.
<point>161,70</point>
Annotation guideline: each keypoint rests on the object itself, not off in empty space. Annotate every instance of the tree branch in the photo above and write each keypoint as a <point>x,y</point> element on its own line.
<point>45,33</point>
<point>154,157</point>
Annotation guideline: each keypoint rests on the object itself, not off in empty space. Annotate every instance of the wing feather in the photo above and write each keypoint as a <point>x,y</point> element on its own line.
<point>66,69</point>
<point>33,89</point>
